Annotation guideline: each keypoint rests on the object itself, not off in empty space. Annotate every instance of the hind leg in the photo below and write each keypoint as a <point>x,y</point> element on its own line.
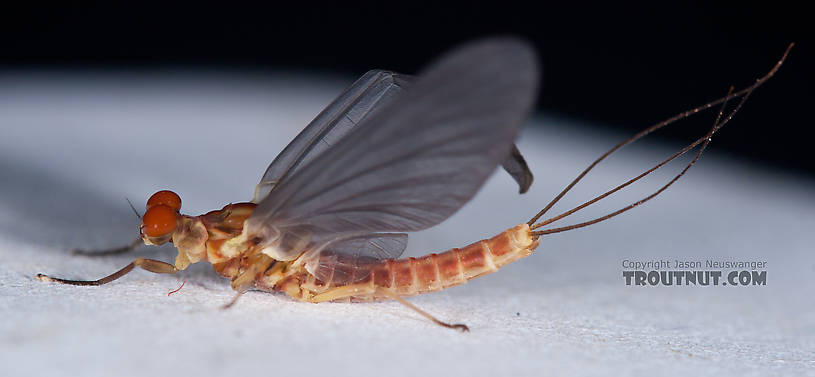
<point>347,291</point>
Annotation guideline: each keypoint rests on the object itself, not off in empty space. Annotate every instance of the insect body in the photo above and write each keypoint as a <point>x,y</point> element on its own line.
<point>339,276</point>
<point>392,154</point>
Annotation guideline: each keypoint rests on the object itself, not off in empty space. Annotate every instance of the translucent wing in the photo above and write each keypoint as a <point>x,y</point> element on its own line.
<point>516,166</point>
<point>411,164</point>
<point>370,92</point>
<point>350,259</point>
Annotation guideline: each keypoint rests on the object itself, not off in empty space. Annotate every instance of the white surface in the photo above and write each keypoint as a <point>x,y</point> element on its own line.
<point>73,147</point>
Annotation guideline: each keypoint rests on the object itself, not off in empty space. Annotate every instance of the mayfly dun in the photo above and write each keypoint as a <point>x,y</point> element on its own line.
<point>392,154</point>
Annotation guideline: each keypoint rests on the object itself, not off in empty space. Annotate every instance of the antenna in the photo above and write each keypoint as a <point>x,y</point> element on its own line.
<point>133,208</point>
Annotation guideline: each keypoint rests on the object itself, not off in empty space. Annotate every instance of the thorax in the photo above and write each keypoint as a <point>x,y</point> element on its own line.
<point>216,236</point>
<point>219,238</point>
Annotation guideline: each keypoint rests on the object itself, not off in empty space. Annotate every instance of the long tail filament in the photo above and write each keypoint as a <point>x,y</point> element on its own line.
<point>704,140</point>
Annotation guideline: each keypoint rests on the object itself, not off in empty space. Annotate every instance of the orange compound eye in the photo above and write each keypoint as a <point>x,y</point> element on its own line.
<point>165,197</point>
<point>159,221</point>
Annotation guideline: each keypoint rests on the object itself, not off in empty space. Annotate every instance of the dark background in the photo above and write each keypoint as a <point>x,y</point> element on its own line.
<point>625,66</point>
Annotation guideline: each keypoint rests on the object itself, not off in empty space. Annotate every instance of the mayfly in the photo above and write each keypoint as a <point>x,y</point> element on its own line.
<point>392,154</point>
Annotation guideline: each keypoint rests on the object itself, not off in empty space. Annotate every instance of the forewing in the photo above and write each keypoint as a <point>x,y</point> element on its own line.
<point>370,92</point>
<point>416,161</point>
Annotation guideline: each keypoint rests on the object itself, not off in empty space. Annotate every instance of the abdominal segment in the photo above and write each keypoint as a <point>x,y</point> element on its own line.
<point>368,280</point>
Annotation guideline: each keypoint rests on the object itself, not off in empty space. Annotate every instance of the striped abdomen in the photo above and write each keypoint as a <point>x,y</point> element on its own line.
<point>429,273</point>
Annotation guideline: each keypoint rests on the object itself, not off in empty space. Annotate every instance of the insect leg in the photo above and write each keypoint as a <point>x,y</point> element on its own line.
<point>362,290</point>
<point>116,250</point>
<point>258,264</point>
<point>457,326</point>
<point>113,251</point>
<point>151,265</point>
<point>233,300</point>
